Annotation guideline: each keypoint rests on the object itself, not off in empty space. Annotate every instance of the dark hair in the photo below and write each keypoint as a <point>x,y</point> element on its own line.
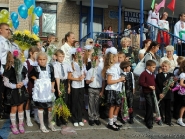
<point>109,27</point>
<point>3,24</point>
<point>59,51</point>
<point>67,35</point>
<point>124,64</point>
<point>50,35</point>
<point>150,63</point>
<point>145,42</point>
<point>153,44</point>
<point>32,50</point>
<point>181,14</point>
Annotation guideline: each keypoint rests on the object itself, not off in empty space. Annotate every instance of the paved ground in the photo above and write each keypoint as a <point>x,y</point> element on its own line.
<point>135,131</point>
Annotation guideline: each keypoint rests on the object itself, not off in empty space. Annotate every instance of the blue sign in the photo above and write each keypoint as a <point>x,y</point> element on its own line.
<point>133,17</point>
<point>114,14</point>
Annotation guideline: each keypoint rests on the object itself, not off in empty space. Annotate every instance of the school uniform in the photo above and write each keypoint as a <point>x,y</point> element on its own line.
<point>42,95</point>
<point>12,95</point>
<point>165,104</point>
<point>77,92</point>
<point>94,92</point>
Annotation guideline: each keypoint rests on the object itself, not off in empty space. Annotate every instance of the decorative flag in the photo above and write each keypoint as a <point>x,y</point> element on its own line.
<point>162,4</point>
<point>153,3</point>
<point>171,5</point>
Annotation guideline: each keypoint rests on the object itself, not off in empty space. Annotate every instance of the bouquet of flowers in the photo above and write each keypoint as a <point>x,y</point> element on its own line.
<point>59,107</point>
<point>167,85</point>
<point>95,54</point>
<point>78,51</point>
<point>25,39</point>
<point>18,66</point>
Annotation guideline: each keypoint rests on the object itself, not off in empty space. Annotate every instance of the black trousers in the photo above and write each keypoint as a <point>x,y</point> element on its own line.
<point>1,94</point>
<point>176,105</point>
<point>77,95</point>
<point>181,49</point>
<point>149,108</point>
<point>130,98</point>
<point>165,110</point>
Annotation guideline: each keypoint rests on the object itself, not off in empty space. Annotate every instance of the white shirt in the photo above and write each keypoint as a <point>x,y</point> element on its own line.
<point>153,18</point>
<point>32,63</point>
<point>96,73</point>
<point>179,27</point>
<point>66,49</point>
<point>173,62</point>
<point>115,72</point>
<point>163,24</point>
<point>127,32</point>
<point>133,80</point>
<point>142,51</point>
<point>58,70</point>
<point>182,76</point>
<point>76,73</point>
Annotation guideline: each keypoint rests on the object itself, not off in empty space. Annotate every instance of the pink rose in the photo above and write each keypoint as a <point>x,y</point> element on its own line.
<point>79,49</point>
<point>15,53</point>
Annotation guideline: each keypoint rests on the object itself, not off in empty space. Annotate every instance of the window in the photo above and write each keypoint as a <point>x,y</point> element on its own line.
<point>47,22</point>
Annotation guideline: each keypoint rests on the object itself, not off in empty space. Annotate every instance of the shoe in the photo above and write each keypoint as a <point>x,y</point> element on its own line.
<point>29,123</point>
<point>118,124</point>
<point>81,123</point>
<point>4,116</point>
<point>21,128</point>
<point>76,124</point>
<point>91,122</point>
<point>113,127</point>
<point>149,126</point>
<point>170,124</point>
<point>52,127</point>
<point>97,122</point>
<point>180,123</point>
<point>160,122</point>
<point>37,120</point>
<point>44,129</point>
<point>123,121</point>
<point>131,121</point>
<point>14,129</point>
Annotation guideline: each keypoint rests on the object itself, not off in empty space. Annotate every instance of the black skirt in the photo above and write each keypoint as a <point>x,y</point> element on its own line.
<point>15,97</point>
<point>113,98</point>
<point>43,105</point>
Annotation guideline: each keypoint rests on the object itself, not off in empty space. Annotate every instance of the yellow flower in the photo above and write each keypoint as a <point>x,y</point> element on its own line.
<point>27,32</point>
<point>35,37</point>
<point>17,32</point>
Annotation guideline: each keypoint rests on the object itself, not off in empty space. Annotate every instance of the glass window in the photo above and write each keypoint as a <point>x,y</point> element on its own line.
<point>47,21</point>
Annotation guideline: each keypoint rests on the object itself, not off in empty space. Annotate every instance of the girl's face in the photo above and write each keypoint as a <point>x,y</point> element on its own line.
<point>42,60</point>
<point>33,55</point>
<point>126,43</point>
<point>155,48</point>
<point>147,44</point>
<point>71,39</point>
<point>115,58</point>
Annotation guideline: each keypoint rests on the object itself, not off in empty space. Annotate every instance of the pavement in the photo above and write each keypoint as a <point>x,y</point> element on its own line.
<point>137,130</point>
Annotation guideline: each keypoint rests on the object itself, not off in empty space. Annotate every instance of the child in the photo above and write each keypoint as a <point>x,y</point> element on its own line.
<point>61,73</point>
<point>15,93</point>
<point>29,64</point>
<point>121,57</point>
<point>95,90</point>
<point>77,75</point>
<point>182,100</point>
<point>147,81</point>
<point>43,91</point>
<point>129,88</point>
<point>165,103</point>
<point>111,72</point>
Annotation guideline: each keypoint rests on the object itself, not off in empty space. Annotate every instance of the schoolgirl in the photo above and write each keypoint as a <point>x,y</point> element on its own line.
<point>77,74</point>
<point>15,93</point>
<point>43,91</point>
<point>111,72</point>
<point>29,64</point>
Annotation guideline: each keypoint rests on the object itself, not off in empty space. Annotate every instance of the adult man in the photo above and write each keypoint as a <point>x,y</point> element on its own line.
<point>69,41</point>
<point>179,31</point>
<point>5,47</point>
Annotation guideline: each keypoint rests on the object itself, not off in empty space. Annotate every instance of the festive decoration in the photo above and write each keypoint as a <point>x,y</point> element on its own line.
<point>59,107</point>
<point>23,11</point>
<point>171,5</point>
<point>16,24</point>
<point>30,10</point>
<point>167,85</point>
<point>14,16</point>
<point>38,11</point>
<point>28,3</point>
<point>3,18</point>
<point>78,51</point>
<point>35,29</point>
<point>95,54</point>
<point>160,5</point>
<point>153,4</point>
<point>24,39</point>
<point>5,13</point>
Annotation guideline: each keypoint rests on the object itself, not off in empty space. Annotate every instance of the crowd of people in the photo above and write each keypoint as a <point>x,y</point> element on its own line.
<point>89,76</point>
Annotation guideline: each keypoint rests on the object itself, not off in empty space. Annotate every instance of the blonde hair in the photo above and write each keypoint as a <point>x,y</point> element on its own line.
<point>86,56</point>
<point>169,48</point>
<point>9,61</point>
<point>108,62</point>
<point>88,41</point>
<point>180,59</point>
<point>124,40</point>
<point>166,62</point>
<point>42,54</point>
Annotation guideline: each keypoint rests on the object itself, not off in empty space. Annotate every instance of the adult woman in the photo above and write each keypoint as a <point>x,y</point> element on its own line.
<point>170,57</point>
<point>163,37</point>
<point>153,18</point>
<point>89,41</point>
<point>69,41</point>
<point>151,54</point>
<point>110,33</point>
<point>146,44</point>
